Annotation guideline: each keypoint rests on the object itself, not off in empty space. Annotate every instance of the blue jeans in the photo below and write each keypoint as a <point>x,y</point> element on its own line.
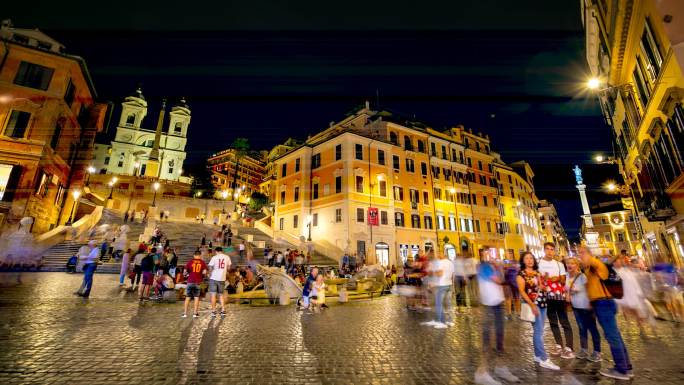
<point>442,302</point>
<point>493,318</point>
<point>605,310</point>
<point>586,322</point>
<point>538,335</point>
<point>88,271</point>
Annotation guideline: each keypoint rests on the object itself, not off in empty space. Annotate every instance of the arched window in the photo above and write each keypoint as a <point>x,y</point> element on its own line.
<point>393,138</point>
<point>130,119</point>
<point>178,127</point>
<point>407,143</point>
<point>421,146</point>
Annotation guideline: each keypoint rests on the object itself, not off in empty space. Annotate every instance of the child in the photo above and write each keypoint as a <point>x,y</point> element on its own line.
<point>575,288</point>
<point>318,293</point>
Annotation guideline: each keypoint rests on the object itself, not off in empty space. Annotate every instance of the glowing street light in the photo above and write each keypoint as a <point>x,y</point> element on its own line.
<point>91,170</point>
<point>76,194</point>
<point>155,186</point>
<point>224,195</point>
<point>111,186</point>
<point>593,83</point>
<point>599,158</point>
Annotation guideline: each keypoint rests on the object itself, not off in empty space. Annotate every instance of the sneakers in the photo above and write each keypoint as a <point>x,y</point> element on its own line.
<point>547,364</point>
<point>483,378</point>
<point>449,323</point>
<point>582,355</point>
<point>440,325</point>
<point>223,313</point>
<point>196,315</point>
<point>556,351</point>
<point>567,354</point>
<point>429,323</point>
<point>184,316</point>
<point>213,314</point>
<point>612,373</point>
<point>505,374</point>
<point>594,357</point>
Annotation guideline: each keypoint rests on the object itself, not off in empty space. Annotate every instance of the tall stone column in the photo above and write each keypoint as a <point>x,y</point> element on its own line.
<point>153,164</point>
<point>590,236</point>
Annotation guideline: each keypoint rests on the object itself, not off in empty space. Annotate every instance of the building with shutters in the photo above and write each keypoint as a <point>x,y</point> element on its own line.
<point>635,51</point>
<point>48,121</point>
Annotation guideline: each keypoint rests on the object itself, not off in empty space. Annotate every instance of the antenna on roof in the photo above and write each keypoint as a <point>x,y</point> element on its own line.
<point>377,98</point>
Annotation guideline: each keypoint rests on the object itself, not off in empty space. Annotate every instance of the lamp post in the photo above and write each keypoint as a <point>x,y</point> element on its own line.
<point>91,171</point>
<point>309,220</point>
<point>235,199</point>
<point>76,194</point>
<point>155,186</point>
<point>111,186</point>
<point>224,195</point>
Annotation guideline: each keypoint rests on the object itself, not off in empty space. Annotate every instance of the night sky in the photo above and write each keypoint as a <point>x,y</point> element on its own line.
<point>287,68</point>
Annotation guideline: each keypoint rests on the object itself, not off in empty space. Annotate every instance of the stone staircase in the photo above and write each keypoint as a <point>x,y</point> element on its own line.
<point>55,258</point>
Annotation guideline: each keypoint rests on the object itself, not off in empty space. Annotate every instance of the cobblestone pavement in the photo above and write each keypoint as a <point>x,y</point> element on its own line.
<point>50,336</point>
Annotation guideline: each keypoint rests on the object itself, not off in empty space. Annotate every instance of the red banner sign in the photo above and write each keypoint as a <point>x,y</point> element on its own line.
<point>372,216</point>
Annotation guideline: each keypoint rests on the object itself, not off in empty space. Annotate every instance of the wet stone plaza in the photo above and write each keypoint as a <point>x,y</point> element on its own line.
<point>49,336</point>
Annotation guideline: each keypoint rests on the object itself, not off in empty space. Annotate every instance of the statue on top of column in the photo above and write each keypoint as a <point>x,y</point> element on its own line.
<point>578,174</point>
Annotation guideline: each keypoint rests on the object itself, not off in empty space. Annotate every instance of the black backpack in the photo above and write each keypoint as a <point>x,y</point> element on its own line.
<point>613,283</point>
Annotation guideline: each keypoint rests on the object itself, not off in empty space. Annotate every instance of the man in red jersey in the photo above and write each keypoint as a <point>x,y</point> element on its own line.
<point>195,269</point>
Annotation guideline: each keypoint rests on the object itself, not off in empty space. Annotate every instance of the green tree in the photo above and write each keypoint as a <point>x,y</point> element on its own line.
<point>241,148</point>
<point>257,201</point>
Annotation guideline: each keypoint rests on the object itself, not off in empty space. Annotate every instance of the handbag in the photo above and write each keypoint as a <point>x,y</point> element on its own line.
<point>526,313</point>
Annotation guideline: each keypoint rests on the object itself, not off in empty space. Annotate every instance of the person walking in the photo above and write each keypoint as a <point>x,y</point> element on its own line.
<point>605,309</point>
<point>218,266</point>
<point>195,269</point>
<point>554,273</point>
<point>442,271</point>
<point>242,249</point>
<point>490,281</point>
<point>126,214</point>
<point>147,266</point>
<point>137,261</point>
<point>125,263</point>
<point>89,265</point>
<point>532,292</point>
<point>576,290</point>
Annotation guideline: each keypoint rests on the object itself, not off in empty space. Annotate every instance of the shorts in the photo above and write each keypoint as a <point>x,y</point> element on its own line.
<point>216,286</point>
<point>147,277</point>
<point>192,290</point>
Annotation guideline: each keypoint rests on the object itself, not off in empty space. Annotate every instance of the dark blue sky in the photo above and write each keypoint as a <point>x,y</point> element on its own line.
<point>266,73</point>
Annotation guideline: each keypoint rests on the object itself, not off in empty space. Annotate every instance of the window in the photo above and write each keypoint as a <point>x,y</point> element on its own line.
<point>395,162</point>
<point>433,149</point>
<point>281,225</point>
<point>106,161</point>
<point>338,215</point>
<point>410,165</point>
<point>297,164</point>
<point>440,222</point>
<point>359,151</point>
<point>398,193</point>
<point>474,199</point>
<point>415,221</point>
<point>381,157</point>
<point>338,152</point>
<point>399,219</point>
<point>314,220</point>
<point>489,227</point>
<point>607,237</point>
<point>55,136</point>
<point>120,164</point>
<point>296,194</point>
<point>423,168</point>
<point>359,184</point>
<point>454,158</point>
<point>43,181</point>
<point>315,191</point>
<point>316,161</point>
<point>437,192</point>
<point>413,196</point>
<point>452,223</point>
<point>295,221</point>
<point>70,93</point>
<point>407,143</point>
<point>428,222</point>
<point>338,184</point>
<point>382,186</point>
<point>477,225</point>
<point>283,171</point>
<point>383,218</point>
<point>421,146</point>
<point>644,91</point>
<point>477,146</point>
<point>394,139</point>
<point>651,51</point>
<point>444,152</point>
<point>178,127</point>
<point>425,198</point>
<point>17,124</point>
<point>470,162</point>
<point>620,237</point>
<point>479,165</point>
<point>360,215</point>
<point>484,201</point>
<point>33,76</point>
<point>130,120</point>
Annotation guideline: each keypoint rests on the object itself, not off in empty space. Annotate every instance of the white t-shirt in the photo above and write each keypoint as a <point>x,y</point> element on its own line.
<point>552,267</point>
<point>220,263</point>
<point>491,293</point>
<point>447,268</point>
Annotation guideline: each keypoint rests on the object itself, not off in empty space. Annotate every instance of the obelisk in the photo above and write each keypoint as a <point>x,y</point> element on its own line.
<point>152,167</point>
<point>590,236</point>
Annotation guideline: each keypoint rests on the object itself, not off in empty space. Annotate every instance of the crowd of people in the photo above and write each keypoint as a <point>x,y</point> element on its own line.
<point>542,291</point>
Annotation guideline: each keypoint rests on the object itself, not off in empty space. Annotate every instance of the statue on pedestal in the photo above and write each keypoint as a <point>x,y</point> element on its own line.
<point>578,174</point>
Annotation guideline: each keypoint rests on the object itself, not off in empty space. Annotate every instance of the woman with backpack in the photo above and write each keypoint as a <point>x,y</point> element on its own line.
<point>601,289</point>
